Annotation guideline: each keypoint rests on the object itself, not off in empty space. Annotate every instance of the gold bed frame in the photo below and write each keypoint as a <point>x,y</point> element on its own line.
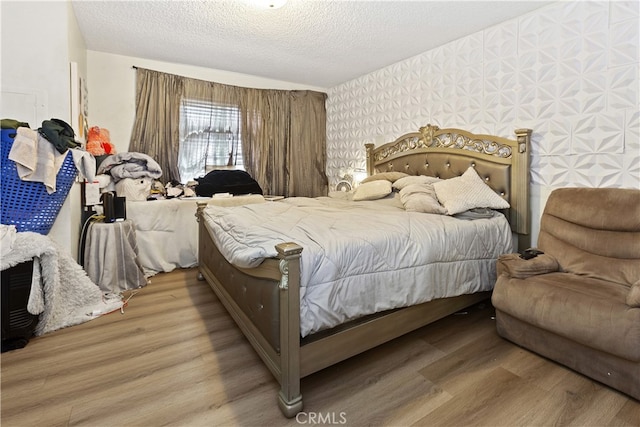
<point>265,301</point>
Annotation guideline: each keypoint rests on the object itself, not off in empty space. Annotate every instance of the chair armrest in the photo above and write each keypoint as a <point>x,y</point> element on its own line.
<point>514,266</point>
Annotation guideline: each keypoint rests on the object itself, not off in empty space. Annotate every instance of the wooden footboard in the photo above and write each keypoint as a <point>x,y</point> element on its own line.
<point>281,356</point>
<point>288,357</point>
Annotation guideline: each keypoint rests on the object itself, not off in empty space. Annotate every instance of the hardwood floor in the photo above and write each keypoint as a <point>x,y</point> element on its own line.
<point>176,358</point>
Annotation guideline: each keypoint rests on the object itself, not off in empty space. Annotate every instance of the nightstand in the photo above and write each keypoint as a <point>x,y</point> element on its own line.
<point>111,256</point>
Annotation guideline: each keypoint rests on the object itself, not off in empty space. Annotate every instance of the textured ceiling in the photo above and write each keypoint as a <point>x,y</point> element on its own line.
<point>310,42</point>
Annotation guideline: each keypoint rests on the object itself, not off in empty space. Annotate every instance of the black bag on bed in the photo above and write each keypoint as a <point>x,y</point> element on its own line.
<point>227,181</point>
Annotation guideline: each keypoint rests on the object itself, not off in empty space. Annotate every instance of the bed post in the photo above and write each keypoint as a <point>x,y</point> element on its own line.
<point>201,206</point>
<point>520,182</point>
<point>370,163</point>
<point>289,398</point>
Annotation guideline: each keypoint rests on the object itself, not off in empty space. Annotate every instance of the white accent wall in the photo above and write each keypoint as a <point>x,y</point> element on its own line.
<point>569,71</point>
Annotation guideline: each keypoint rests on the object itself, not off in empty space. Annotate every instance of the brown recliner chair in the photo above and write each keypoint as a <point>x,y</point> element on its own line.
<point>578,303</point>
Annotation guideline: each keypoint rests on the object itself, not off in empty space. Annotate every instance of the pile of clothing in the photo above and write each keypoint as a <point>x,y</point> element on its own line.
<point>227,181</point>
<point>39,153</point>
<point>131,174</point>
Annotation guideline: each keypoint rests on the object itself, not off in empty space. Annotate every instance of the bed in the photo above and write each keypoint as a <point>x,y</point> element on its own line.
<point>267,293</point>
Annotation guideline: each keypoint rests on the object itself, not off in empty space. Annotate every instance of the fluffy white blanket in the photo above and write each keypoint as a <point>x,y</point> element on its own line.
<point>61,292</point>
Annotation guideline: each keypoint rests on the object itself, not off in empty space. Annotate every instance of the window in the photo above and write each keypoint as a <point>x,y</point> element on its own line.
<point>209,138</point>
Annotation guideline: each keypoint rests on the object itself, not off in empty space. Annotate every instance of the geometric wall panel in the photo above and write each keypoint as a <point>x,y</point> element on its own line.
<point>570,71</point>
<point>555,138</point>
<point>623,10</point>
<point>553,171</point>
<point>598,134</point>
<point>590,170</point>
<point>622,85</point>
<point>624,42</point>
<point>631,172</point>
<point>632,131</point>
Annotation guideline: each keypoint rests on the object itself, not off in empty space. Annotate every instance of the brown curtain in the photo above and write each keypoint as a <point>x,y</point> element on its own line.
<point>307,152</point>
<point>265,138</point>
<point>156,126</point>
<point>283,132</point>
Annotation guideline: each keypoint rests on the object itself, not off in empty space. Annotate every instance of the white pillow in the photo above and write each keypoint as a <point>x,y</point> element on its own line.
<point>372,190</point>
<point>421,198</point>
<point>389,176</point>
<point>414,179</point>
<point>137,189</point>
<point>466,192</point>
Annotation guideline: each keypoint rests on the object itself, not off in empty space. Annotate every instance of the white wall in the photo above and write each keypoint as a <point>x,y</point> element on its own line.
<point>39,39</point>
<point>569,71</point>
<point>112,89</point>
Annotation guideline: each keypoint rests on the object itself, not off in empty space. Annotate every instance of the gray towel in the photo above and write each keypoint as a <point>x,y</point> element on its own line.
<point>36,159</point>
<point>85,163</point>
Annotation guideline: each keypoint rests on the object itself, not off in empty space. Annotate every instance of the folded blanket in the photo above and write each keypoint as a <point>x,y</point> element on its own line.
<point>130,165</point>
<point>36,159</point>
<point>61,292</point>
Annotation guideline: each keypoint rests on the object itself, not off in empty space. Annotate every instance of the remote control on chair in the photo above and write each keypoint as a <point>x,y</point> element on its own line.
<point>530,253</point>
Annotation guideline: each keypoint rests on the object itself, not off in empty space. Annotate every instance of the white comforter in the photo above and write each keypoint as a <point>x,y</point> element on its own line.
<point>364,257</point>
<point>167,230</point>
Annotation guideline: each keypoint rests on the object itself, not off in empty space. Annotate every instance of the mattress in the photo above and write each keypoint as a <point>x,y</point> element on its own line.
<point>364,257</point>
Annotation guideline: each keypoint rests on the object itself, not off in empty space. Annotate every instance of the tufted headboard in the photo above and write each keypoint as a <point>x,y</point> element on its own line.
<point>447,153</point>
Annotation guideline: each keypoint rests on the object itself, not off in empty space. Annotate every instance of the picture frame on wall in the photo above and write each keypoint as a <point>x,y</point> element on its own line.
<point>79,104</point>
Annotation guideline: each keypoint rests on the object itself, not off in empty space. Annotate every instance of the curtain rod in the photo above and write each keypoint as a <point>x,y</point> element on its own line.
<point>135,67</point>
